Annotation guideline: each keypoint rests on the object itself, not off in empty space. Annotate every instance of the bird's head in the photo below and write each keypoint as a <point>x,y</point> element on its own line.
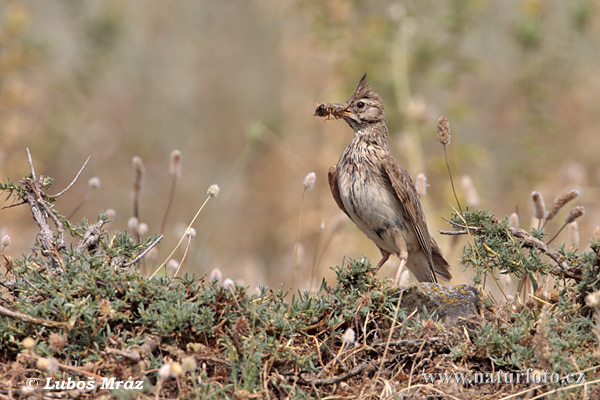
<point>363,108</point>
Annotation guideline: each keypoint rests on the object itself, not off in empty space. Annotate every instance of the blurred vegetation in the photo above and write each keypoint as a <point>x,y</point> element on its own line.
<point>233,86</point>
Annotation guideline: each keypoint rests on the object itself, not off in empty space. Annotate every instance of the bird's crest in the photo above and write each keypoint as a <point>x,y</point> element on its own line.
<point>363,90</point>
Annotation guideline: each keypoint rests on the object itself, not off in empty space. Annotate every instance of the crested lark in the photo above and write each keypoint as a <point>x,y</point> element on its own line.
<point>377,193</point>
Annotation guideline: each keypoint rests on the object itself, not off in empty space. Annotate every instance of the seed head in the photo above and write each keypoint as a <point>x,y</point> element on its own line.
<point>175,166</point>
<point>228,283</point>
<point>28,343</point>
<point>190,232</point>
<point>593,299</point>
<point>421,184</point>
<point>142,229</point>
<point>216,275</point>
<point>213,190</point>
<point>6,241</point>
<point>165,371</point>
<point>560,202</point>
<point>57,342</point>
<point>349,336</point>
<point>443,131</point>
<point>173,264</point>
<point>309,180</point>
<point>176,369</point>
<point>133,223</point>
<point>539,208</point>
<point>111,213</point>
<point>574,213</point>
<point>189,364</point>
<point>138,174</point>
<point>94,183</point>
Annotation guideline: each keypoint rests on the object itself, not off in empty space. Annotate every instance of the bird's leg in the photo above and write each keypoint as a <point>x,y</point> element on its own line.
<point>384,258</point>
<point>400,268</point>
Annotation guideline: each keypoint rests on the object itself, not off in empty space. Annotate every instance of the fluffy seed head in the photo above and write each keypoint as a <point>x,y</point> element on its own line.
<point>560,202</point>
<point>309,180</point>
<point>138,174</point>
<point>176,369</point>
<point>142,229</point>
<point>165,371</point>
<point>593,299</point>
<point>6,241</point>
<point>574,213</point>
<point>213,190</point>
<point>189,364</point>
<point>443,131</point>
<point>94,183</point>
<point>173,264</point>
<point>28,343</point>
<point>111,213</point>
<point>228,283</point>
<point>216,274</point>
<point>133,223</point>
<point>421,184</point>
<point>539,207</point>
<point>190,232</point>
<point>175,166</point>
<point>349,336</point>
<point>57,342</point>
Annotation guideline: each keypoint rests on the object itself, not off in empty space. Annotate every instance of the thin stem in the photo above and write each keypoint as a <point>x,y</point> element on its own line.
<point>182,237</point>
<point>298,238</point>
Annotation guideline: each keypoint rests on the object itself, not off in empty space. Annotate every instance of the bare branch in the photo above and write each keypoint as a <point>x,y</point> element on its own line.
<point>74,179</point>
<point>30,164</point>
<point>143,253</point>
<point>26,318</point>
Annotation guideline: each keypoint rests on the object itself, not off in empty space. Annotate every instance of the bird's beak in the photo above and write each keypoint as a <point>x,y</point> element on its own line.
<point>342,111</point>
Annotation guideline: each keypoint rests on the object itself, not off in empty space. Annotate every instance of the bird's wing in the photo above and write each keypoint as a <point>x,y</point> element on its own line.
<point>335,190</point>
<point>407,194</point>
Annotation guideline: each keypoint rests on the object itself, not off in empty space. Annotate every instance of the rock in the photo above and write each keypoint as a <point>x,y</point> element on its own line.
<point>452,304</point>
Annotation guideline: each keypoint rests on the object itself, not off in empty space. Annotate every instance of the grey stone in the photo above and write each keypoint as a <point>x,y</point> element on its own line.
<point>453,304</point>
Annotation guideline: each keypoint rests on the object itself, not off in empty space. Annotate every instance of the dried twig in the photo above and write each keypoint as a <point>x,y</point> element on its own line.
<point>26,318</point>
<point>74,179</point>
<point>143,253</point>
<point>364,367</point>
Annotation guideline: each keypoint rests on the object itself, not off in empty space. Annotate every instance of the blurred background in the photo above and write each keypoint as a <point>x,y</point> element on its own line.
<point>233,85</point>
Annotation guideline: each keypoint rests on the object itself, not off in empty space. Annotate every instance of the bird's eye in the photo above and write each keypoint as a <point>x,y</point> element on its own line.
<point>360,104</point>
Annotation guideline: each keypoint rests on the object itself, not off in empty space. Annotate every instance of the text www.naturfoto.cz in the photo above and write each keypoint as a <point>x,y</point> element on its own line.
<point>527,377</point>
